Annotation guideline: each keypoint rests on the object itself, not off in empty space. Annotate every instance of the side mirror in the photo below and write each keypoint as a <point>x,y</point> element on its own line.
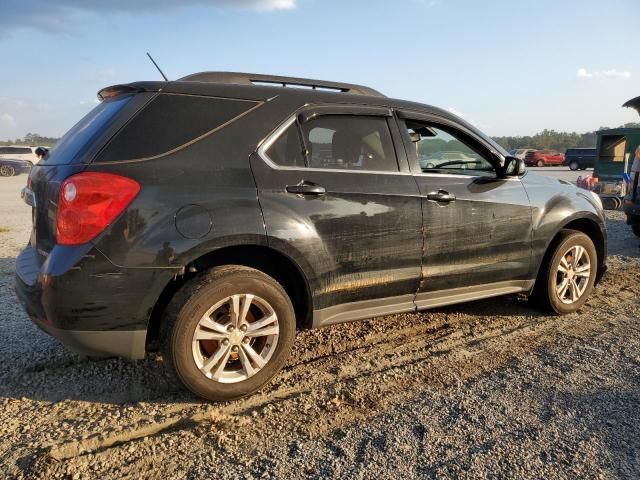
<point>513,167</point>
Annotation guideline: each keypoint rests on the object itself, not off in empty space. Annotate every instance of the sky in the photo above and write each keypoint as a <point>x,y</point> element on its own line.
<point>510,67</point>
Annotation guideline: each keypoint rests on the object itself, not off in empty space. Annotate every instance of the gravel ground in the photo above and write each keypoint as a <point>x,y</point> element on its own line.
<point>486,389</point>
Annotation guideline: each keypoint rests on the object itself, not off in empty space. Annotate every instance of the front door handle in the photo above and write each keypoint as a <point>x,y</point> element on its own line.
<point>306,188</point>
<point>441,196</point>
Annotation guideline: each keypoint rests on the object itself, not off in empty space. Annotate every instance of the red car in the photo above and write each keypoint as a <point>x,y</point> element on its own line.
<point>541,158</point>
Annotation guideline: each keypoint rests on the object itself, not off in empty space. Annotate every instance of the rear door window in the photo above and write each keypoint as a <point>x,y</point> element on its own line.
<point>350,143</point>
<point>337,142</point>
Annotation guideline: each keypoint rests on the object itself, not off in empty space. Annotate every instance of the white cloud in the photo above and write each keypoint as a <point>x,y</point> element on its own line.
<point>56,17</point>
<point>613,73</point>
<point>7,120</point>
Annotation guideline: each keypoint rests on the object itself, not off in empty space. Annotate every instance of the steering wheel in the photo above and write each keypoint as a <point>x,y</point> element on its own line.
<point>452,162</point>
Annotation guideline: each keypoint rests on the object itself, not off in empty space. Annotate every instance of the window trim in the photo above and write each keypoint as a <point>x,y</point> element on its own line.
<point>414,166</point>
<point>331,110</point>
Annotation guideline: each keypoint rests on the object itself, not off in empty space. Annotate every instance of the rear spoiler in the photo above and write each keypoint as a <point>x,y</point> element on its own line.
<point>633,103</point>
<point>117,90</point>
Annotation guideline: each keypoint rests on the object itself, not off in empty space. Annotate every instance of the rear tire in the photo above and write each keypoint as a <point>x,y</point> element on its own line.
<point>227,332</point>
<point>636,229</point>
<point>540,163</point>
<point>574,166</point>
<point>568,274</point>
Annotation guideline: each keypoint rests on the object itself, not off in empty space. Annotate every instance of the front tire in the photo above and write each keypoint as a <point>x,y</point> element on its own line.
<point>540,163</point>
<point>227,332</point>
<point>568,275</point>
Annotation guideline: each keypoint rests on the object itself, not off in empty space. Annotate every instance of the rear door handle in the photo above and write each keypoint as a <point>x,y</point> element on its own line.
<point>306,188</point>
<point>441,196</point>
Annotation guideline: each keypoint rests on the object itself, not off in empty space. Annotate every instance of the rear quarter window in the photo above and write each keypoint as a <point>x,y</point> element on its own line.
<point>168,122</point>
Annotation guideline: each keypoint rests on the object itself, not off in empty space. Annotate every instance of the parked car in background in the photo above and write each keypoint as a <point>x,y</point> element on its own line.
<point>15,160</point>
<point>542,158</point>
<point>9,168</point>
<point>18,152</point>
<point>212,216</point>
<point>521,153</point>
<point>580,158</point>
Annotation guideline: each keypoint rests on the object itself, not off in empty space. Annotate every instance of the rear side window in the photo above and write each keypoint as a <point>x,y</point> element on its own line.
<point>169,122</point>
<point>82,134</point>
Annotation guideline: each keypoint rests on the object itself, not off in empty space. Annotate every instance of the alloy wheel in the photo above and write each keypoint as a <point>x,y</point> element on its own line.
<point>235,338</point>
<point>573,273</point>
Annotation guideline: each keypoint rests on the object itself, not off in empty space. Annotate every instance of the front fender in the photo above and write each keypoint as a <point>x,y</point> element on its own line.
<point>555,205</point>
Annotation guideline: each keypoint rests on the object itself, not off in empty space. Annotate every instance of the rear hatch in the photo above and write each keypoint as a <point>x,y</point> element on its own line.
<point>71,155</point>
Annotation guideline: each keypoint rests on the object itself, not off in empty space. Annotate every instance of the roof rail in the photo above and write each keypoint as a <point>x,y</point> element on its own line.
<point>237,78</point>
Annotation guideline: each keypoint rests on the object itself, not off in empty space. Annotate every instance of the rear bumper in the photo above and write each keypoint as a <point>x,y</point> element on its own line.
<point>119,343</point>
<point>91,306</point>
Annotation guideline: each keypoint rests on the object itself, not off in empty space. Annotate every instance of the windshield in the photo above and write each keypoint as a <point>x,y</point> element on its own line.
<point>82,134</point>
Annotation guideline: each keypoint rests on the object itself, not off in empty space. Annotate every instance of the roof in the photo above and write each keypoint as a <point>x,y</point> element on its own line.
<point>238,78</point>
<point>262,88</point>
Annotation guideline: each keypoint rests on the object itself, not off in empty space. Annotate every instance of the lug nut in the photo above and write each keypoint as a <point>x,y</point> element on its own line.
<point>246,340</point>
<point>225,342</point>
<point>231,328</point>
<point>243,328</point>
<point>234,349</point>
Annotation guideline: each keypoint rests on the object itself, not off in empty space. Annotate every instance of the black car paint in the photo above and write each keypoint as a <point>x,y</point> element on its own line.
<point>371,236</point>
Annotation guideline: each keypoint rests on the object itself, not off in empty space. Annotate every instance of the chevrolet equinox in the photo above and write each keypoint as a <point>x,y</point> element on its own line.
<point>210,217</point>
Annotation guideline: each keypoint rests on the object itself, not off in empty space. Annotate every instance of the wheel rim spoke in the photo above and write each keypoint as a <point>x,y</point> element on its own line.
<point>212,325</point>
<point>253,355</point>
<point>562,288</point>
<point>245,309</point>
<point>263,322</point>
<point>246,364</point>
<point>264,332</point>
<point>206,335</point>
<point>234,309</point>
<point>223,351</point>
<point>574,291</point>
<point>223,363</point>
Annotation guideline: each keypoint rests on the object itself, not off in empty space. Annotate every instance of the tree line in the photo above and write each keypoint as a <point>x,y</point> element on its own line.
<point>552,140</point>
<point>31,139</point>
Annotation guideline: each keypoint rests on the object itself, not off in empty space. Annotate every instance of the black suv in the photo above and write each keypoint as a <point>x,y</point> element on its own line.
<point>212,216</point>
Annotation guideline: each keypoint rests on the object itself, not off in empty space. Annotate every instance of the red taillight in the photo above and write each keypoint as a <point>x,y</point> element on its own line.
<point>89,202</point>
